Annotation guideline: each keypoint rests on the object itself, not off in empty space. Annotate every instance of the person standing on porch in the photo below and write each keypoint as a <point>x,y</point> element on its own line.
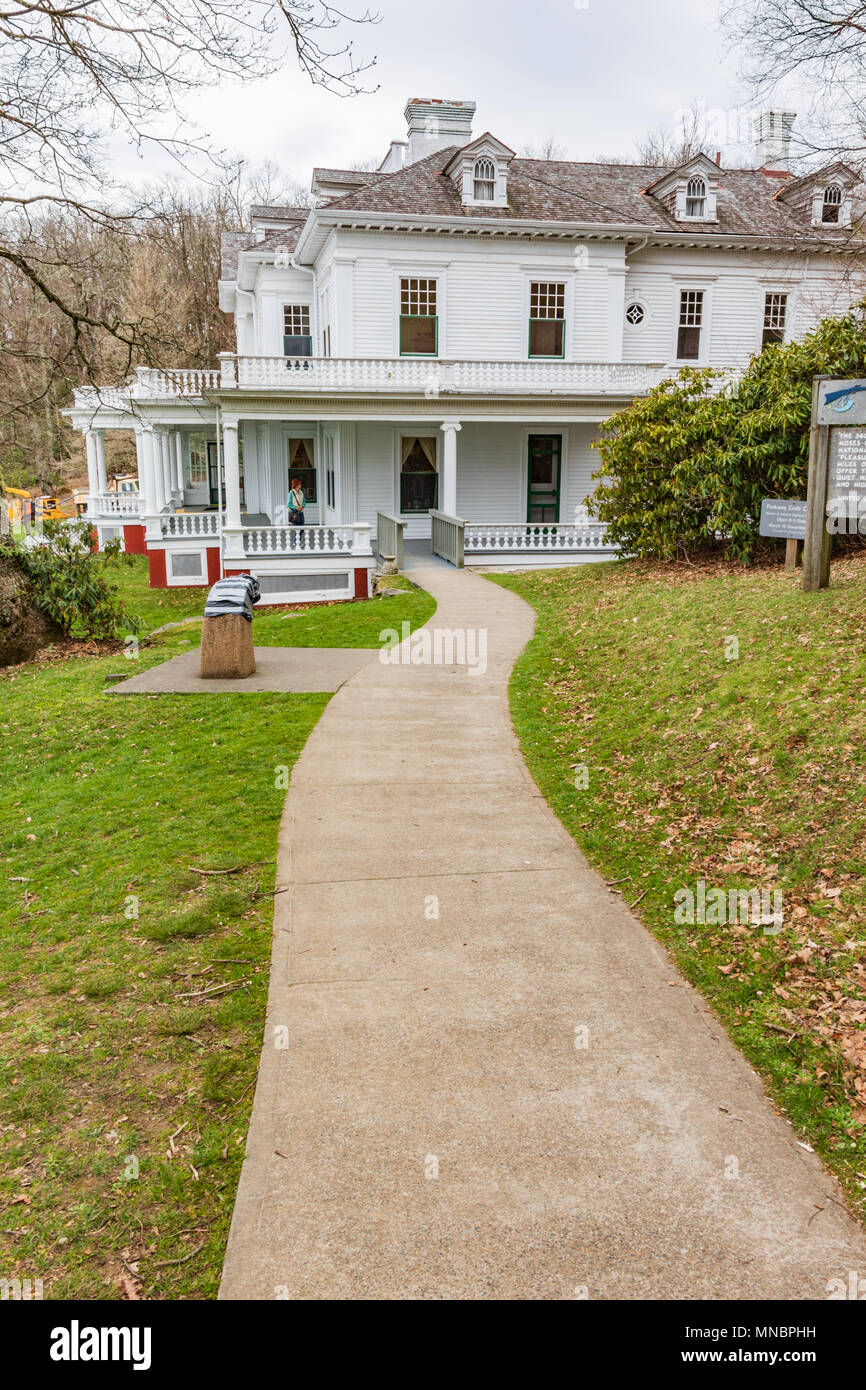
<point>296,503</point>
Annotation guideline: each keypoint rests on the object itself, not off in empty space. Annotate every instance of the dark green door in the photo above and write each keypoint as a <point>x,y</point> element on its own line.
<point>213,485</point>
<point>545,467</point>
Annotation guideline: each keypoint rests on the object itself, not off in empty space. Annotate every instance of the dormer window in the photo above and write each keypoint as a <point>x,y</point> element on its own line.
<point>696,198</point>
<point>832,204</point>
<point>485,181</point>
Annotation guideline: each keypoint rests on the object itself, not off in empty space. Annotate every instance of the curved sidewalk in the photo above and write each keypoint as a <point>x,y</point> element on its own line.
<point>431,1130</point>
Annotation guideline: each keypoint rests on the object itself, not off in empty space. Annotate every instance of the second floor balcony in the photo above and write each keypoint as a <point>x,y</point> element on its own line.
<point>364,376</point>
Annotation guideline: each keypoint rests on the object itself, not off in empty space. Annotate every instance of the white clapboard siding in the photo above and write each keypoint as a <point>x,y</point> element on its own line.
<point>375,334</point>
<point>580,463</point>
<point>491,479</point>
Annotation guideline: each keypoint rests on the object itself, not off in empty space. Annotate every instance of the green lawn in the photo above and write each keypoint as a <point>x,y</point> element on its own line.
<point>740,764</point>
<point>133,988</point>
<point>316,625</point>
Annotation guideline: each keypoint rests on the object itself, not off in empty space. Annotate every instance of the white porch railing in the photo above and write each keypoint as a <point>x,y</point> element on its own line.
<point>191,524</point>
<point>446,537</point>
<point>389,537</point>
<point>175,381</point>
<point>434,378</point>
<point>351,539</point>
<point>115,504</point>
<point>534,537</point>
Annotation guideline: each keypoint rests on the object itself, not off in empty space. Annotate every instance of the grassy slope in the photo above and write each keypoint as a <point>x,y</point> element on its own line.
<point>103,1057</point>
<point>747,773</point>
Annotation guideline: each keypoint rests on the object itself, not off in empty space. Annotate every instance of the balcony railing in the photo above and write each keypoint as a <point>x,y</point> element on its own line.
<point>411,376</point>
<point>419,376</point>
<point>114,504</point>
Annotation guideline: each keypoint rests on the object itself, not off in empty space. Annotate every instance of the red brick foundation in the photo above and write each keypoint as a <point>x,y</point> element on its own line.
<point>156,565</point>
<point>361,586</point>
<point>133,539</point>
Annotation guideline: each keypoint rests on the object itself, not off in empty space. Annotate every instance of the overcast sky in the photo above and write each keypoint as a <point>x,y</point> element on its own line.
<point>596,78</point>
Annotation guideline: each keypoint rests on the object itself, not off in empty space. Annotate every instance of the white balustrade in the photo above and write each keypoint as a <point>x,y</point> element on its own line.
<point>432,378</point>
<point>191,524</point>
<point>115,504</point>
<point>302,540</point>
<point>535,537</point>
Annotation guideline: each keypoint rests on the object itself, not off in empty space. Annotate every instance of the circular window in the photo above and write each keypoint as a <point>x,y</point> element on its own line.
<point>634,314</point>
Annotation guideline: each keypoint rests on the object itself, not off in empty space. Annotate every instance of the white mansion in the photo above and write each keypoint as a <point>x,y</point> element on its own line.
<point>431,349</point>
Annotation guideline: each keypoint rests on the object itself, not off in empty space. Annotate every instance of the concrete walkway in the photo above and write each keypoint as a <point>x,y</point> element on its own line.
<point>431,1130</point>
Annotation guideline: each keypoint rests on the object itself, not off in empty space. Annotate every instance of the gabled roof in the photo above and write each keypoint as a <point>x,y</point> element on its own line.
<point>234,244</point>
<point>485,144</point>
<point>837,170</point>
<point>698,164</point>
<point>541,190</point>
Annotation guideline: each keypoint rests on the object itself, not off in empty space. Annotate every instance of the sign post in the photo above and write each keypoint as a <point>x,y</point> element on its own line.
<point>785,519</point>
<point>837,472</point>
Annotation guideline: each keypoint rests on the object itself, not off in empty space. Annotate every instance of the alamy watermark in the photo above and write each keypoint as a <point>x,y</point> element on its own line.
<point>756,907</point>
<point>440,646</point>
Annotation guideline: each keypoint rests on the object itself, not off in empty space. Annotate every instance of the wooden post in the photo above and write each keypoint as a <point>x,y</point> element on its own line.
<point>791,547</point>
<point>816,548</point>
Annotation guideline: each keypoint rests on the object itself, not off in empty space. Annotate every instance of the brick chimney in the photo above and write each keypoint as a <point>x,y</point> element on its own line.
<point>435,124</point>
<point>773,139</point>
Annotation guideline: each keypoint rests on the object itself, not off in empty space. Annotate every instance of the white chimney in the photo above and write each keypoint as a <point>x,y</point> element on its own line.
<point>437,124</point>
<point>773,139</point>
<point>394,159</point>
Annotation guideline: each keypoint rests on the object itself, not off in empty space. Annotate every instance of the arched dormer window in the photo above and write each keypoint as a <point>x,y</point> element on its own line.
<point>832,204</point>
<point>484,181</point>
<point>696,198</point>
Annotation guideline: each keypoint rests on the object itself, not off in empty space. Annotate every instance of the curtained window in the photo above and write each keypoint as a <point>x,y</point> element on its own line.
<point>419,482</point>
<point>301,466</point>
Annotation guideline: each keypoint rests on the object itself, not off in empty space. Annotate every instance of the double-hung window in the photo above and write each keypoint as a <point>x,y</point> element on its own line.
<point>546,318</point>
<point>419,323</point>
<point>775,318</point>
<point>297,339</point>
<point>690,325</point>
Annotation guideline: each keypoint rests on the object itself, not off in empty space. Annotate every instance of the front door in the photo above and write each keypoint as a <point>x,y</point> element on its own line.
<point>545,465</point>
<point>213,486</point>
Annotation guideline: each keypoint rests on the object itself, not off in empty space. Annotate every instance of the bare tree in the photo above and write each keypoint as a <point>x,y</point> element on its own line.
<point>550,148</point>
<point>821,43</point>
<point>73,72</point>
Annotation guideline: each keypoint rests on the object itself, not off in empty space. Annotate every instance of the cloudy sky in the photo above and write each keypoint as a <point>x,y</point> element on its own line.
<point>595,74</point>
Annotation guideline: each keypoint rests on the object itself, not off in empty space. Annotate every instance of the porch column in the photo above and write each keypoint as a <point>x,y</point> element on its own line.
<point>101,475</point>
<point>165,456</point>
<point>233,536</point>
<point>92,472</point>
<point>144,455</point>
<point>448,499</point>
<point>154,450</point>
<point>178,444</point>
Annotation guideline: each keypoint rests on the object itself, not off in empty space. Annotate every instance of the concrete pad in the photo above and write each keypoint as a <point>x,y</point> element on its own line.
<point>495,1084</point>
<point>290,670</point>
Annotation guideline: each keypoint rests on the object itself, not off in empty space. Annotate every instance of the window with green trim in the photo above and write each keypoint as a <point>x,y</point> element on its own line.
<point>297,338</point>
<point>546,318</point>
<point>419,324</point>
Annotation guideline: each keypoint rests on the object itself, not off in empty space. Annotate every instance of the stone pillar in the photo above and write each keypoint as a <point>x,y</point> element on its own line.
<point>448,492</point>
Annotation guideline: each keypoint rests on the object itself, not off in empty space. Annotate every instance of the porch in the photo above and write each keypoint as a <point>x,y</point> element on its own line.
<point>504,493</point>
